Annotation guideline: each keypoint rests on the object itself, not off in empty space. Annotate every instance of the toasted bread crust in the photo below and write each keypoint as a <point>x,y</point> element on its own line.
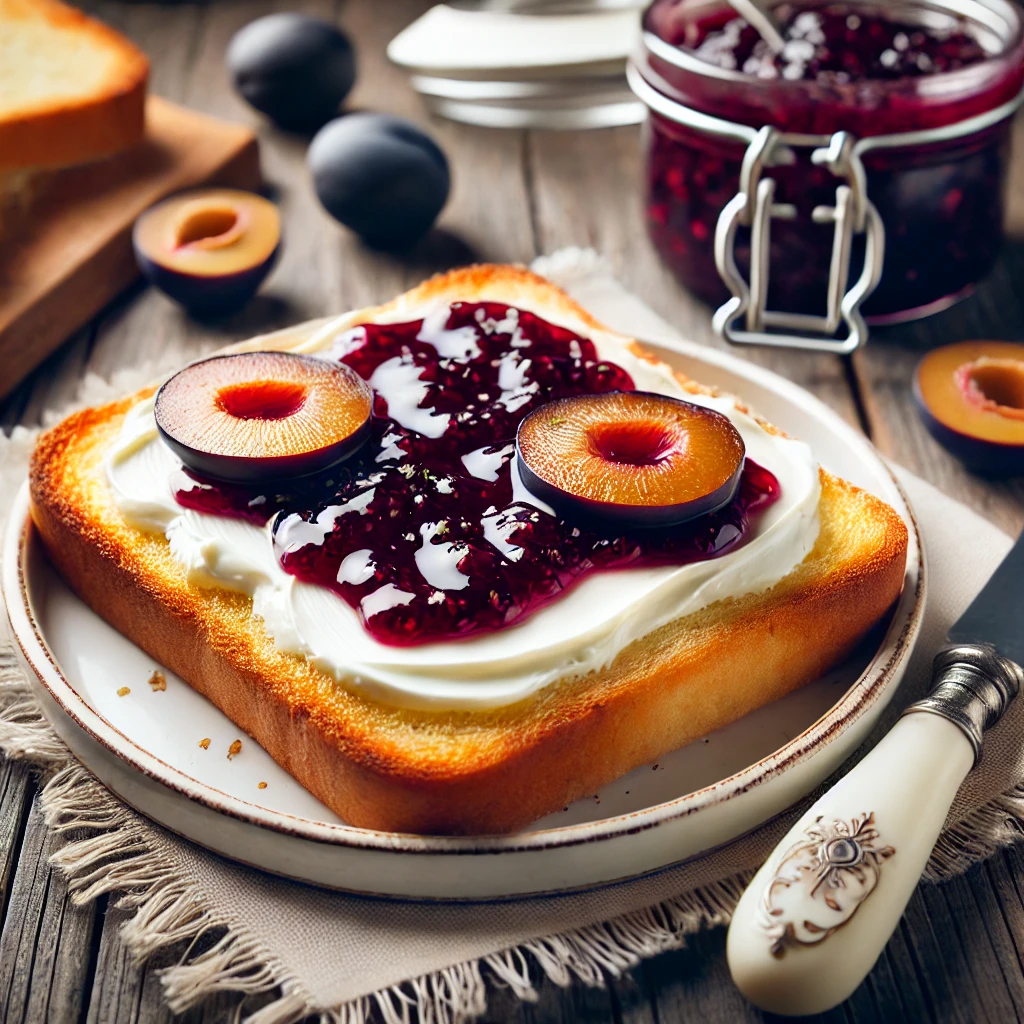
<point>464,772</point>
<point>95,125</point>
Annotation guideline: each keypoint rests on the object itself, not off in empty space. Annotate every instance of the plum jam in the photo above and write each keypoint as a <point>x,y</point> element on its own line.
<point>875,71</point>
<point>421,531</point>
<point>836,47</point>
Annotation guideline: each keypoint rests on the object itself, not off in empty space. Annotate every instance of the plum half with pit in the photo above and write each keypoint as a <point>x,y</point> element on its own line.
<point>252,417</point>
<point>630,459</point>
<point>971,398</point>
<point>292,67</point>
<point>209,250</point>
<point>380,176</point>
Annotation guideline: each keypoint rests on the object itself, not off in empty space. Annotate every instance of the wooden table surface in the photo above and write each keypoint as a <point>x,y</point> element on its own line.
<point>958,955</point>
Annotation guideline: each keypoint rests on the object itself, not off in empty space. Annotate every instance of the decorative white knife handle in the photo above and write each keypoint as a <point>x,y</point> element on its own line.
<point>817,915</point>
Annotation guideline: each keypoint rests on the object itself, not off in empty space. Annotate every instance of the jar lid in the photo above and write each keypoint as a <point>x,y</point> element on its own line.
<point>851,65</point>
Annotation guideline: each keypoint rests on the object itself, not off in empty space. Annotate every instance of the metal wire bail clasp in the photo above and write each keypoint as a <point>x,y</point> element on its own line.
<point>754,206</point>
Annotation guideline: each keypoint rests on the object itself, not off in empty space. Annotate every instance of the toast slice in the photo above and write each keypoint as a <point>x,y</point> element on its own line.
<point>487,771</point>
<point>72,90</point>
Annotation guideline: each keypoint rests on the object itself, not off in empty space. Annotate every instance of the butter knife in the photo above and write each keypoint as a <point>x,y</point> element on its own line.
<point>818,913</point>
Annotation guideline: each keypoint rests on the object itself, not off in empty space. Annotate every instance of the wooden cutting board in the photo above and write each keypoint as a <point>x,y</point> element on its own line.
<point>73,253</point>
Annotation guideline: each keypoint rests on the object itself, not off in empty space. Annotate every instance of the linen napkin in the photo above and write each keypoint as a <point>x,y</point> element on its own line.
<point>341,956</point>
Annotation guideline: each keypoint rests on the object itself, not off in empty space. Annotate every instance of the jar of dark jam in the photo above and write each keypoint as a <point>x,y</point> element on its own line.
<point>857,174</point>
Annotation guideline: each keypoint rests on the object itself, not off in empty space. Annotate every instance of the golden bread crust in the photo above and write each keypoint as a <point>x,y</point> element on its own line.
<point>465,772</point>
<point>97,124</point>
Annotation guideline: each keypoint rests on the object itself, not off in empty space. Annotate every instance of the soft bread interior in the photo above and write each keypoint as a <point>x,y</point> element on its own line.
<point>46,61</point>
<point>71,88</point>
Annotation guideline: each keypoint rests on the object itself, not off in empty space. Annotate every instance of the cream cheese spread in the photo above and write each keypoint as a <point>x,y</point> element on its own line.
<point>580,632</point>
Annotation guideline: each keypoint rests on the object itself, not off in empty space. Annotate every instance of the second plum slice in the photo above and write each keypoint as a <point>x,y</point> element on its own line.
<point>629,458</point>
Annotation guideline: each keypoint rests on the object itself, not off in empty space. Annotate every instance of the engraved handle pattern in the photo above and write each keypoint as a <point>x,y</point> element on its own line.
<point>821,880</point>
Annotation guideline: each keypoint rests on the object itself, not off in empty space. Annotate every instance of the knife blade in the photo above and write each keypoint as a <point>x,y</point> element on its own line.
<point>996,615</point>
<point>818,913</point>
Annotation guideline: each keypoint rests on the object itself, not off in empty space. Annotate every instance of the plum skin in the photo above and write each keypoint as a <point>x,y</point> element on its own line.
<point>945,393</point>
<point>240,469</point>
<point>610,515</point>
<point>292,67</point>
<point>247,469</point>
<point>381,176</point>
<point>204,295</point>
<point>981,456</point>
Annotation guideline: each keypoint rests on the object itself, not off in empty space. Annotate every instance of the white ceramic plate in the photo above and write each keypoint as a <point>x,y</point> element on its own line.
<point>145,745</point>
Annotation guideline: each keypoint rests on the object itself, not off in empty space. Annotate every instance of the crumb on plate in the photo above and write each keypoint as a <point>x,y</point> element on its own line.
<point>158,681</point>
<point>123,691</point>
<point>205,743</point>
<point>235,748</point>
<point>261,785</point>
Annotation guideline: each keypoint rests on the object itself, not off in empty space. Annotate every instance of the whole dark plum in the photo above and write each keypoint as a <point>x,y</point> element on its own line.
<point>294,68</point>
<point>381,176</point>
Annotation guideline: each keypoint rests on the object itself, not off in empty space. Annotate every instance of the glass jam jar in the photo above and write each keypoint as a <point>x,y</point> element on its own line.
<point>864,164</point>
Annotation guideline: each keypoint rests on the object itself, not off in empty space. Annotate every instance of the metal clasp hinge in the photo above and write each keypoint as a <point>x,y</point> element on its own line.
<point>754,206</point>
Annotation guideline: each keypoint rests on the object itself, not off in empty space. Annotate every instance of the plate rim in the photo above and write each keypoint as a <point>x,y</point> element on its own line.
<point>894,648</point>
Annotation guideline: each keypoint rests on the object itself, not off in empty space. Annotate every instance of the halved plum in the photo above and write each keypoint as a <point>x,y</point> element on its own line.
<point>210,249</point>
<point>630,458</point>
<point>971,398</point>
<point>258,416</point>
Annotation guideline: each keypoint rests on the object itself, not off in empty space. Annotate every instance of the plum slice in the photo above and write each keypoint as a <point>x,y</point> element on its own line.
<point>971,398</point>
<point>209,250</point>
<point>258,416</point>
<point>629,458</point>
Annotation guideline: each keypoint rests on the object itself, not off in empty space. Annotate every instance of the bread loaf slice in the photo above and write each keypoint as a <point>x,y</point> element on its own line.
<point>72,90</point>
<point>396,769</point>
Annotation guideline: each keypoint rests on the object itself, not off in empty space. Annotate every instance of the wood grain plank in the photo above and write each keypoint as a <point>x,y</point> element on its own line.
<point>16,789</point>
<point>45,941</point>
<point>145,325</point>
<point>966,953</point>
<point>577,1003</point>
<point>863,1007</point>
<point>633,998</point>
<point>305,280</point>
<point>122,991</point>
<point>55,382</point>
<point>946,1002</point>
<point>692,985</point>
<point>896,984</point>
<point>125,992</point>
<point>988,942</point>
<point>1007,872</point>
<point>168,33</point>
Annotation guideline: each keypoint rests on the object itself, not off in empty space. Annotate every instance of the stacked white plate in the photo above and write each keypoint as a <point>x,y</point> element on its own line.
<point>524,63</point>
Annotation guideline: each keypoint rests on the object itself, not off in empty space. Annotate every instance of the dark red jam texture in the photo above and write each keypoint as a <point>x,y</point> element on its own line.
<point>849,67</point>
<point>836,47</point>
<point>419,546</point>
<point>943,220</point>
